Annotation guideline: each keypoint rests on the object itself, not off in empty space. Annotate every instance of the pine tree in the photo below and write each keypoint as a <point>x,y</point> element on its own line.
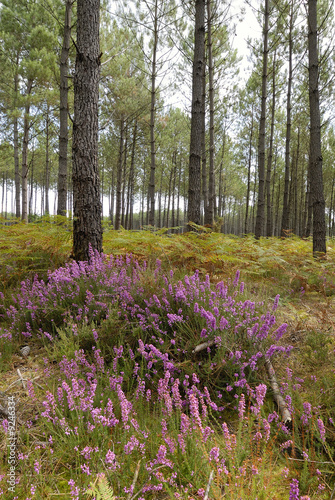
<point>87,229</point>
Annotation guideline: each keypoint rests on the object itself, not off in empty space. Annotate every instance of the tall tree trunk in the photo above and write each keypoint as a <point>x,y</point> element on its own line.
<point>209,219</point>
<point>204,186</point>
<point>196,115</point>
<point>160,202</point>
<point>286,207</point>
<point>152,121</point>
<point>132,177</point>
<point>31,168</point>
<point>169,199</point>
<point>319,223</point>
<point>174,175</point>
<point>259,227</point>
<point>3,193</point>
<point>124,175</point>
<point>24,174</point>
<point>112,195</point>
<point>331,209</point>
<point>249,172</point>
<point>118,206</point>
<point>63,112</point>
<point>270,155</point>
<point>47,164</point>
<point>178,197</point>
<point>296,214</point>
<point>87,229</point>
<point>308,204</point>
<point>16,150</point>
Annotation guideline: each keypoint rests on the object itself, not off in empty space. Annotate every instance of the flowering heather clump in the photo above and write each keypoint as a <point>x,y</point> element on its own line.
<point>79,292</point>
<point>148,396</point>
<point>90,418</point>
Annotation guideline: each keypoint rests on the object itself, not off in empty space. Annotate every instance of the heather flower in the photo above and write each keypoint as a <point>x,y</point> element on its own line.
<point>194,409</point>
<point>177,400</point>
<point>254,470</point>
<point>241,407</point>
<point>286,445</point>
<point>308,413</point>
<point>85,468</point>
<point>285,472</point>
<point>267,429</point>
<point>294,490</point>
<point>258,436</point>
<point>236,279</point>
<point>214,454</point>
<point>275,302</point>
<point>322,429</point>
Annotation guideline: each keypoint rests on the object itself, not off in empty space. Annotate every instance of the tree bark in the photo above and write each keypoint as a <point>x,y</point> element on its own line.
<point>319,223</point>
<point>63,113</point>
<point>16,151</point>
<point>249,173</point>
<point>209,219</point>
<point>87,229</point>
<point>196,115</point>
<point>259,227</point>
<point>47,165</point>
<point>119,178</point>
<point>152,121</point>
<point>25,169</point>
<point>286,207</point>
<point>270,155</point>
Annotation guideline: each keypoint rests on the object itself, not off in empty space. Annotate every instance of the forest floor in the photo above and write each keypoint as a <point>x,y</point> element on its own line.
<point>142,454</point>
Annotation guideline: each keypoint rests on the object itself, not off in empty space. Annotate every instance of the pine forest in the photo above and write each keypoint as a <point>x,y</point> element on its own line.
<point>167,249</point>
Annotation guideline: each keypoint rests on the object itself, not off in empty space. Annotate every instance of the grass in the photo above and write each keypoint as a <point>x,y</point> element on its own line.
<point>146,451</point>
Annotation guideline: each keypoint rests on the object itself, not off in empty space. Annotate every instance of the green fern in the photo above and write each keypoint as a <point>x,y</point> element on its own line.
<point>102,490</point>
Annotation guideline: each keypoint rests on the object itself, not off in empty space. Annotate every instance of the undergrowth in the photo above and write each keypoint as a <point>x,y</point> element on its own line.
<point>118,403</point>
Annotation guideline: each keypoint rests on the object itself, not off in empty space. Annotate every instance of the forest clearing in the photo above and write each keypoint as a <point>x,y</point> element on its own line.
<point>110,399</point>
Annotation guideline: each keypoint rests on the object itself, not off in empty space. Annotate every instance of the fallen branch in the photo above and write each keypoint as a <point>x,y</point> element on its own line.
<point>202,347</point>
<point>282,405</point>
<point>209,485</point>
<point>21,378</point>
<point>134,480</point>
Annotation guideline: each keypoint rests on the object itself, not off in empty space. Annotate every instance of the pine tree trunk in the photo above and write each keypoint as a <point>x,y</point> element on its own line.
<point>204,186</point>
<point>16,150</point>
<point>259,227</point>
<point>24,174</point>
<point>87,229</point>
<point>209,219</point>
<point>112,197</point>
<point>286,207</point>
<point>196,115</point>
<point>249,172</point>
<point>160,202</point>
<point>174,175</point>
<point>132,177</point>
<point>152,121</point>
<point>319,223</point>
<point>270,155</point>
<point>118,206</point>
<point>31,186</point>
<point>124,176</point>
<point>17,169</point>
<point>331,209</point>
<point>63,112</point>
<point>47,166</point>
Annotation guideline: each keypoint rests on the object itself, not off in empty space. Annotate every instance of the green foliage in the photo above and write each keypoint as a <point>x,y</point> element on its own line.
<point>100,489</point>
